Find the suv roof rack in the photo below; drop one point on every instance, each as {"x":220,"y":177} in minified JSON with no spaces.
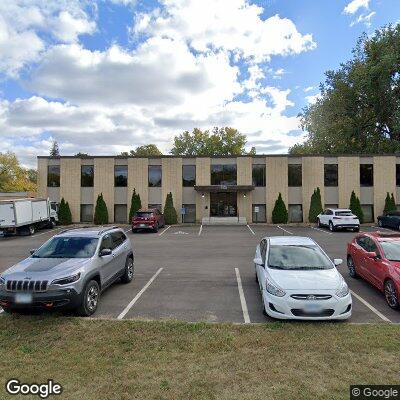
{"x":108,"y":228}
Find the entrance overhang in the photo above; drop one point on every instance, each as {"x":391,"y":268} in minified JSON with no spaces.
{"x":224,"y":188}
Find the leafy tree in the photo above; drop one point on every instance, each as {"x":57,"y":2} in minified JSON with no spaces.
{"x":358,"y":110}
{"x":32,"y":175}
{"x":279,"y":213}
{"x":81,"y":155}
{"x":355,"y":207}
{"x":147,"y":150}
{"x":100,"y":212}
{"x":136,"y":204}
{"x":64,"y":213}
{"x":170,"y":214}
{"x":13,"y":177}
{"x":315,"y":205}
{"x":390,"y":204}
{"x":54,"y":149}
{"x":222,"y":141}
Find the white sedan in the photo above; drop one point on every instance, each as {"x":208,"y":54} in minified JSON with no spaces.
{"x":299,"y":281}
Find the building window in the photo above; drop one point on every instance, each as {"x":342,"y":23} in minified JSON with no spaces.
{"x":188,"y":175}
{"x":223,"y":174}
{"x":155,"y":176}
{"x":53,"y":176}
{"x":258,"y":175}
{"x":259,"y":213}
{"x":157,"y":206}
{"x":190,"y":213}
{"x":331,"y":206}
{"x":295,"y":213}
{"x":86,"y":212}
{"x":120,"y":213}
{"x":294,"y":175}
{"x":121,"y":175}
{"x":366,"y":174}
{"x":368,"y":211}
{"x":331,"y":174}
{"x":397,"y":174}
{"x":87,"y":175}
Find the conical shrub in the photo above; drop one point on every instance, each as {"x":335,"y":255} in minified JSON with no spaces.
{"x":100,"y":212}
{"x":170,"y":214}
{"x":279,"y":213}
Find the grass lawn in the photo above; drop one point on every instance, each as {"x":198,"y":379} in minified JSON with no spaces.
{"x":98,"y":359}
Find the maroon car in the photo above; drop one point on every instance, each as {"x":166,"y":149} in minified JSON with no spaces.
{"x":148,"y":219}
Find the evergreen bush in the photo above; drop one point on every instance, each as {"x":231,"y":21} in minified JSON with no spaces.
{"x":64,"y":213}
{"x":279,"y":213}
{"x":170,"y":214}
{"x":136,"y":204}
{"x":355,"y":207}
{"x":315,"y":206}
{"x":100,"y":212}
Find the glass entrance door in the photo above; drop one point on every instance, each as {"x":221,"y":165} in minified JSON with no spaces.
{"x":223,"y":204}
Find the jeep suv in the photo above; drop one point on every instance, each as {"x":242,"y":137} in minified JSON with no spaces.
{"x":70,"y":270}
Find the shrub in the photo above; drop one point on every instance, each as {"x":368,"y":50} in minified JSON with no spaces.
{"x":279,"y":213}
{"x":315,"y":206}
{"x":170,"y":215}
{"x":355,"y":207}
{"x":64,"y":213}
{"x":136,"y":204}
{"x":100,"y":212}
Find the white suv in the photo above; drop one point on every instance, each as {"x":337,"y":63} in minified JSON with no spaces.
{"x":337,"y":218}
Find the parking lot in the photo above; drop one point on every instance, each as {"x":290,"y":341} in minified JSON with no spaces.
{"x":206,"y":273}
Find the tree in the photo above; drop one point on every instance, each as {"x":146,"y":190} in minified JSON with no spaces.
{"x":393,"y":201}
{"x":54,"y":149}
{"x":390,"y":204}
{"x":279,"y":213}
{"x":13,"y":177}
{"x":64,"y":213}
{"x":358,"y":110}
{"x":82,"y":155}
{"x":170,"y":214}
{"x":355,"y":207}
{"x":222,"y":141}
{"x":136,"y":204}
{"x":315,"y":206}
{"x":100,"y":212}
{"x":147,"y":150}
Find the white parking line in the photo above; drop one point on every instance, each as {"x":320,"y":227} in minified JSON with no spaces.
{"x":201,"y":229}
{"x":372,"y":308}
{"x":165,"y":230}
{"x":128,"y":230}
{"x":251,"y":230}
{"x":321,"y":230}
{"x":136,"y":298}
{"x":246,"y":316}
{"x":283,"y":229}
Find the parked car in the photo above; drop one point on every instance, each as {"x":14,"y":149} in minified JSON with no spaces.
{"x":338,"y":218}
{"x":69,"y":271}
{"x":390,"y":220}
{"x":148,"y":219}
{"x":299,"y":281}
{"x":375,"y":256}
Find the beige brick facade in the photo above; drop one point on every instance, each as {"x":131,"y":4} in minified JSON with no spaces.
{"x":42,"y":177}
{"x":312,"y":177}
{"x":384,"y":181}
{"x":244,"y":177}
{"x":172,"y":182}
{"x":138,"y":170}
{"x":104,"y":183}
{"x":70,"y":185}
{"x":203,"y":177}
{"x":276,"y":182}
{"x":349,"y":179}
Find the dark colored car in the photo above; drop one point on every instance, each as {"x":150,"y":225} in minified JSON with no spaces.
{"x":375,"y":256}
{"x":148,"y":219}
{"x":390,"y":220}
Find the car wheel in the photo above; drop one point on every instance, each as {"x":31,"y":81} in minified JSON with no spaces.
{"x":391,"y":294}
{"x":134,"y":230}
{"x":319,"y":223}
{"x":356,"y":229}
{"x":351,"y":267}
{"x":90,"y":299}
{"x":156,"y":228}
{"x":129,"y":271}
{"x":331,"y":227}
{"x":31,"y":229}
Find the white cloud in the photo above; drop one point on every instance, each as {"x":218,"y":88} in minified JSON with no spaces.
{"x":309,"y":89}
{"x":364,"y":18}
{"x":313,"y":99}
{"x":355,"y":5}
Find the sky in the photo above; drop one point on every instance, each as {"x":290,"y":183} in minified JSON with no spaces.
{"x":105,"y":76}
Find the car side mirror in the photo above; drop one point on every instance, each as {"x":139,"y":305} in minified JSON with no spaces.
{"x":105,"y":252}
{"x":32,"y":251}
{"x":337,"y":261}
{"x":258,"y":261}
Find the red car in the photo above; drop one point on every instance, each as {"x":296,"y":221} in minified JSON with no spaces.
{"x":148,"y":219}
{"x":375,"y":257}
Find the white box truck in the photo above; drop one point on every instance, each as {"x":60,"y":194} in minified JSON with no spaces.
{"x":25,"y":216}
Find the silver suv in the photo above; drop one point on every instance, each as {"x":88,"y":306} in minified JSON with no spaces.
{"x":69,"y":270}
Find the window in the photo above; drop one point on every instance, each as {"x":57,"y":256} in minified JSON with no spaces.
{"x":294,"y":175}
{"x":86,"y":212}
{"x":118,"y":238}
{"x":155,"y":176}
{"x":368,"y":210}
{"x":120,"y":213}
{"x":263,"y":249}
{"x":156,"y":206}
{"x":331,"y":174}
{"x":223,"y":174}
{"x":331,"y":205}
{"x":87,"y":175}
{"x":188,"y":175}
{"x":190,"y":213}
{"x":259,"y":213}
{"x":53,"y":176}
{"x":258,"y":175}
{"x":121,"y":176}
{"x":397,"y":174}
{"x":107,"y":242}
{"x":295,"y":213}
{"x":366,"y":175}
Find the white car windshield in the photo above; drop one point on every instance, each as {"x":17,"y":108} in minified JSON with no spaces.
{"x":67,"y":247}
{"x":292,"y":257}
{"x":391,"y":249}
{"x":344,"y":213}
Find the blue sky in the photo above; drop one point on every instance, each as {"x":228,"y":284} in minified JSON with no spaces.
{"x":103,"y":77}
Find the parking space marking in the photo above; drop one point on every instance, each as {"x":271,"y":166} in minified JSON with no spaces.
{"x":165,"y":230}
{"x":251,"y":230}
{"x":372,"y":308}
{"x":246,"y":316}
{"x":136,"y":298}
{"x":127,"y":230}
{"x":201,"y":229}
{"x":321,"y":230}
{"x":285,"y":230}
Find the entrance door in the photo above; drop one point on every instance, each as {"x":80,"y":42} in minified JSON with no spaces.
{"x":223,"y":204}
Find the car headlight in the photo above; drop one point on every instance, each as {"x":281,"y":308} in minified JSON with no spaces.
{"x":343,"y":290}
{"x":274,"y":289}
{"x":67,"y":280}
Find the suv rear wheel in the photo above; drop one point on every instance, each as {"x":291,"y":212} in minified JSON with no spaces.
{"x":331,"y":226}
{"x":129,"y":270}
{"x":90,"y":299}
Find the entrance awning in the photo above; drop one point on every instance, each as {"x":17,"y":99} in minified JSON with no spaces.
{"x":224,"y":188}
